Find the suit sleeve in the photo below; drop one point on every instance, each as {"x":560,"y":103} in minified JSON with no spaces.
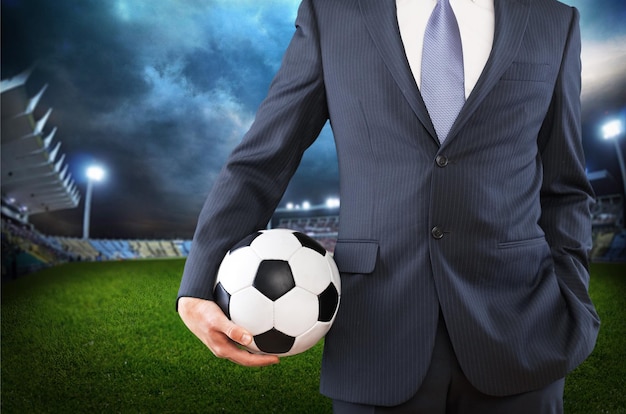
{"x":566,"y":195}
{"x":258,"y":171}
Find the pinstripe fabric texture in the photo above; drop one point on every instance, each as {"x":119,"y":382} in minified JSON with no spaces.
{"x":492,"y":226}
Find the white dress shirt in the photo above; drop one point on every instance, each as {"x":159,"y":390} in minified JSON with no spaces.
{"x":476,"y":21}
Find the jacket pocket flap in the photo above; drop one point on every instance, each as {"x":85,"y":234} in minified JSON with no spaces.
{"x":356,"y":256}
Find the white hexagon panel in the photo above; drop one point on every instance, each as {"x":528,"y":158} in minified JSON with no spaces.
{"x":252,"y":311}
{"x":277,"y":244}
{"x":296,"y":311}
{"x":238,"y":269}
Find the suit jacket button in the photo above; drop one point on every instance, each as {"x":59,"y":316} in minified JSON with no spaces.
{"x":437,"y":232}
{"x":441,"y":161}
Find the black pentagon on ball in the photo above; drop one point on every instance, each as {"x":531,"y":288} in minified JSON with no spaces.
{"x":222,"y":298}
{"x":309,"y":242}
{"x":328,"y":301}
{"x":274,"y":342}
{"x":274,"y":278}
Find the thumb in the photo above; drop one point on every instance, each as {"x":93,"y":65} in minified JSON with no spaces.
{"x":237,"y":333}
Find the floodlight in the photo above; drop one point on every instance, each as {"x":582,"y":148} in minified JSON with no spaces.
{"x":95,"y":173}
{"x":332,"y":202}
{"x":612,"y":129}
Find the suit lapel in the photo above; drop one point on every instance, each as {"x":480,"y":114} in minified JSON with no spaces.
{"x":511,"y":17}
{"x":382,"y":23}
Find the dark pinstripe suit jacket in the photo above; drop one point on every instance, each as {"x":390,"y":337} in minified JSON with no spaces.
{"x":493,"y":226}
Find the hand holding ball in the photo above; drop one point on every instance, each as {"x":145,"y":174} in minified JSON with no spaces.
{"x":283,"y":287}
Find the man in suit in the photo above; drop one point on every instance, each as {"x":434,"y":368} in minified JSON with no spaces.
{"x":462,"y":248}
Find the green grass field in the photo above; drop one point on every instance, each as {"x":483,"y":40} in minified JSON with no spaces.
{"x":104,"y":338}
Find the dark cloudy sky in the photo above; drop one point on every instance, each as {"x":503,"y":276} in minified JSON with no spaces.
{"x":159,"y":92}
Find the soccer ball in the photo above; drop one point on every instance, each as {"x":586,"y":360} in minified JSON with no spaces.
{"x":283,"y":287}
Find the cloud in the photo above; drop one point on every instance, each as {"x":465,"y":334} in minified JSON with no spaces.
{"x":603,"y":63}
{"x":198,"y":83}
{"x":161,"y":92}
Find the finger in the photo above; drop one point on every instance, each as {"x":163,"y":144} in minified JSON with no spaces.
{"x":207,"y":321}
{"x":224,"y":347}
{"x":245,"y":358}
{"x":225,"y":338}
{"x":237,"y":335}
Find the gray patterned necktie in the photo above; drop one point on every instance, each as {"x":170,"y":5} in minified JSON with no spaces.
{"x":442,"y":83}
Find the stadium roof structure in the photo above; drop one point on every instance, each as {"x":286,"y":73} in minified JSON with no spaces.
{"x":35,"y":177}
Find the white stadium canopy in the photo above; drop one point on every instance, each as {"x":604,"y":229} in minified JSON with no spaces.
{"x":35,"y":177}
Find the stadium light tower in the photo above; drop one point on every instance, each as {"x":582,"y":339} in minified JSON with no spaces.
{"x":332,"y":202}
{"x":94,"y":173}
{"x":612,"y":131}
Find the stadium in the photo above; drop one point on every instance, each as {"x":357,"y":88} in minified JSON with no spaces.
{"x":75,"y":348}
{"x":35,"y":179}
{"x":88,"y":324}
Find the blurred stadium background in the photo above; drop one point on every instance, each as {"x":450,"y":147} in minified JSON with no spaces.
{"x":35,"y":180}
